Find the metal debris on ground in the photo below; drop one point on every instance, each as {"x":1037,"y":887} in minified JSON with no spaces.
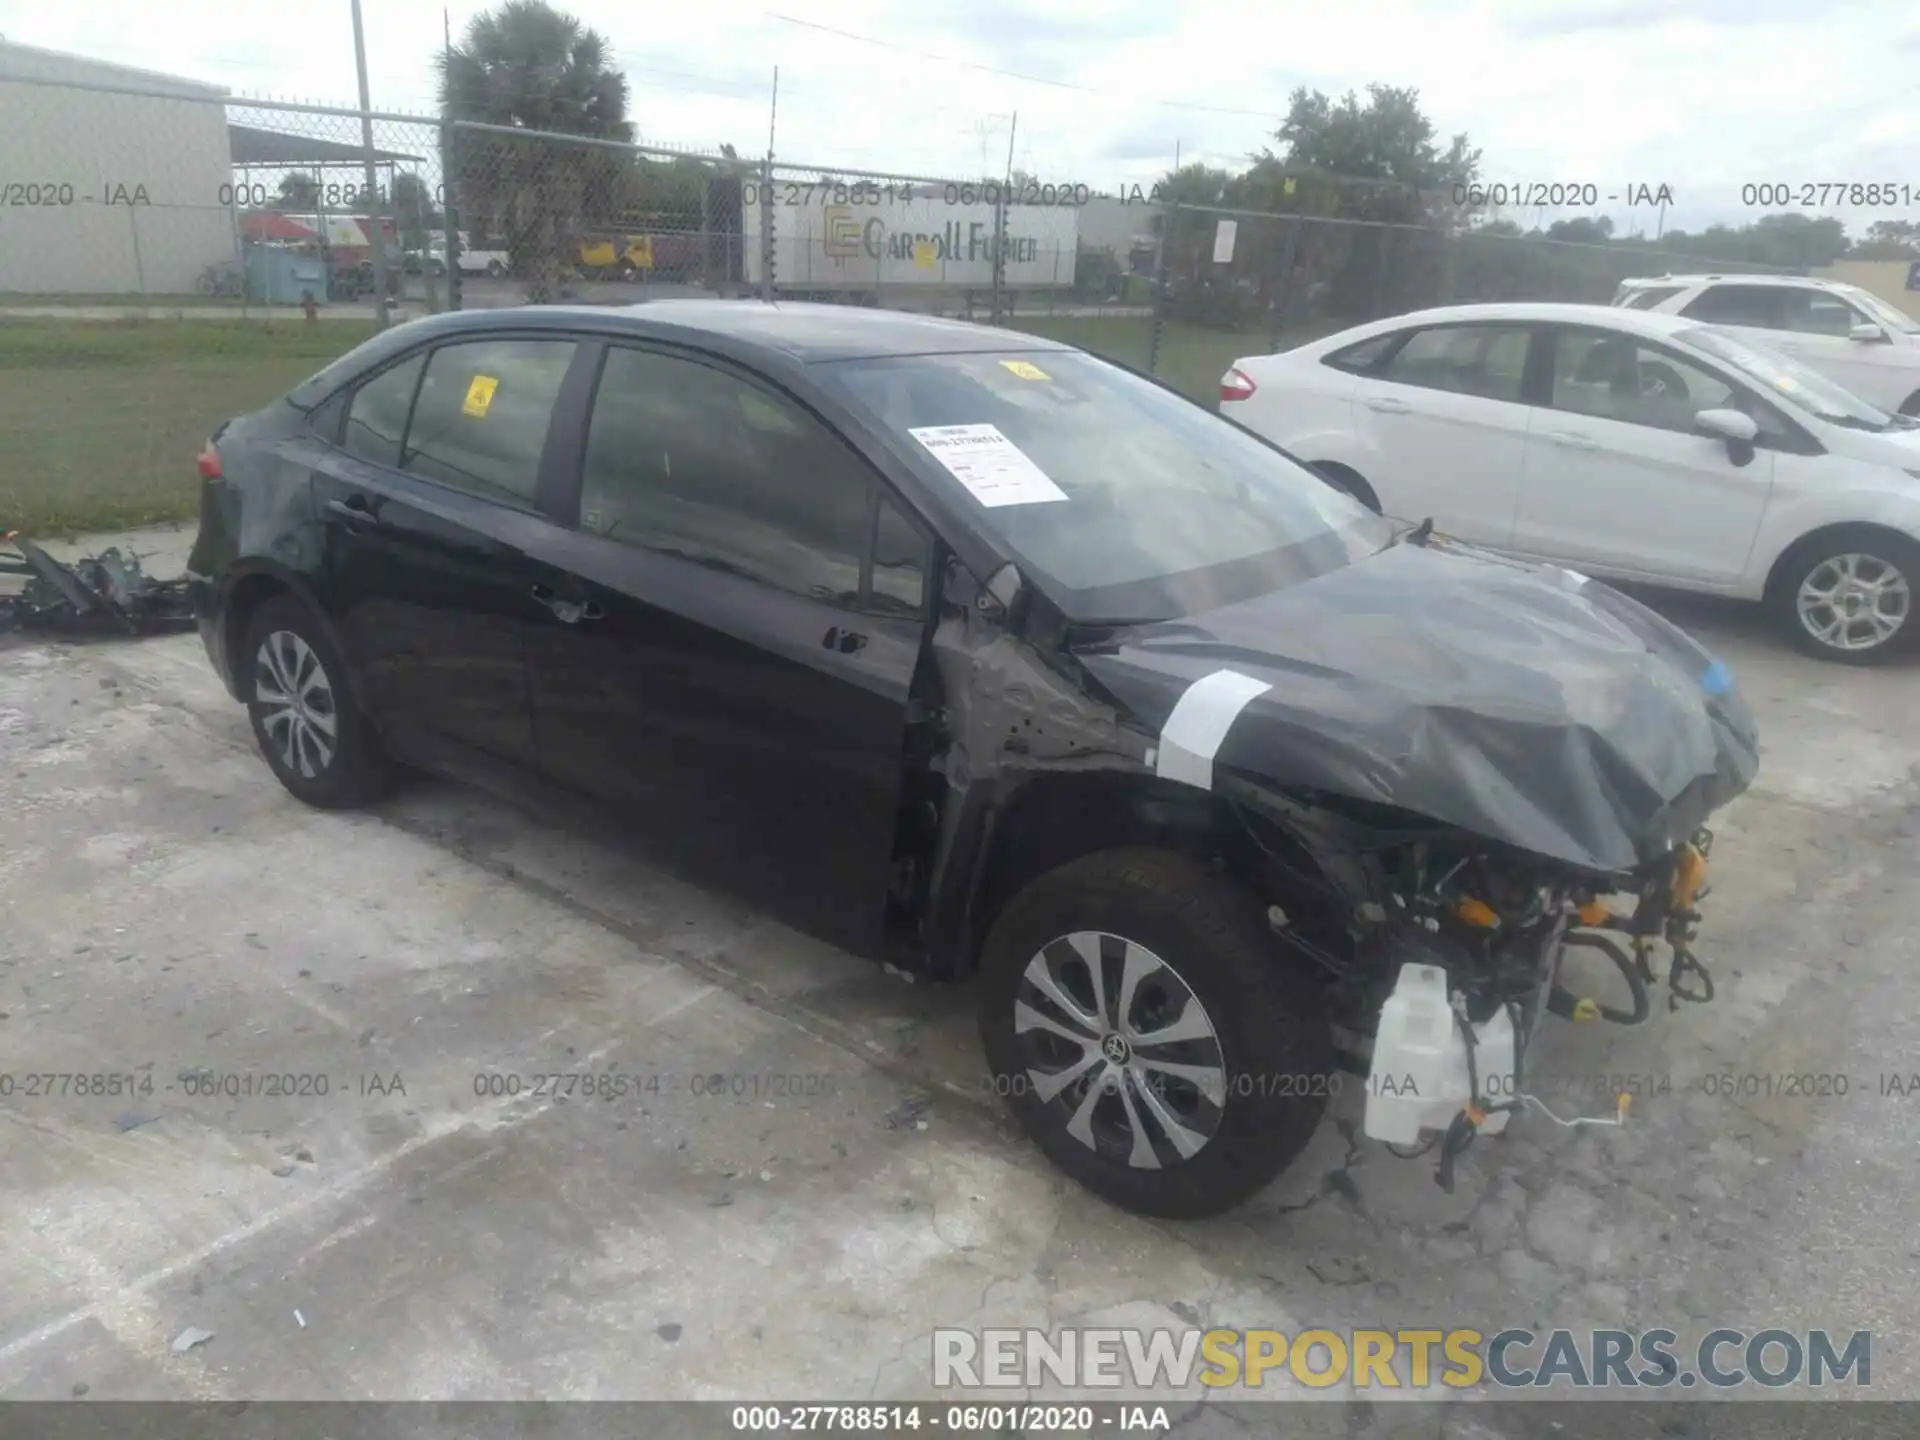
{"x":190,"y":1337}
{"x":101,"y":593}
{"x":908,"y":1114}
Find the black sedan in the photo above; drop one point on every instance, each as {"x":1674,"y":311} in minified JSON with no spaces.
{"x":967,"y":649}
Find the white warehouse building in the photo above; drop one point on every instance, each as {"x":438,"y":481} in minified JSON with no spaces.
{"x":109,"y":193}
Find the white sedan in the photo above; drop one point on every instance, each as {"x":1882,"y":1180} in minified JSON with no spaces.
{"x":1633,"y":445}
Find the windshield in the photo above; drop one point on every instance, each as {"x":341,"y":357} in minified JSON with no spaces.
{"x":1121,"y":499}
{"x":1883,"y":312}
{"x":1792,"y":381}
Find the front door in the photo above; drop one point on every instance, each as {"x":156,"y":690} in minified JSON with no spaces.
{"x":1443,"y":429}
{"x":750,"y":615}
{"x":1619,"y":477}
{"x":434,"y":532}
{"x":1814,"y":325}
{"x":1819,"y":334}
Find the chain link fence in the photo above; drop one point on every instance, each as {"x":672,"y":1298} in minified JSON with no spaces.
{"x":162,"y":206}
{"x":1238,"y":282}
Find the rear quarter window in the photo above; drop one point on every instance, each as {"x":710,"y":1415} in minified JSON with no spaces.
{"x":1366,"y":355}
{"x":1647,"y":297}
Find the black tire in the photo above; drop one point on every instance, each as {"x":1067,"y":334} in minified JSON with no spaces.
{"x":334,"y":772}
{"x":1911,"y":405}
{"x":1807,"y":561}
{"x":1263,"y":1004}
{"x":496,"y":269}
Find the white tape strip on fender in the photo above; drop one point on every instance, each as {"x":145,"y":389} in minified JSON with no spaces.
{"x":1199,"y":722}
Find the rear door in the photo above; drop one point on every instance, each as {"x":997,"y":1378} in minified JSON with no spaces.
{"x":435,"y":523}
{"x":1617,"y":475}
{"x":1442,"y":428}
{"x":752,"y":608}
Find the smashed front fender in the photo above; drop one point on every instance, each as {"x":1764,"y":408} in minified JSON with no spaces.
{"x":1521,"y":703}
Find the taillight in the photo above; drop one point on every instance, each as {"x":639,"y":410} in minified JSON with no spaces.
{"x":209,"y":463}
{"x":1236,"y":384}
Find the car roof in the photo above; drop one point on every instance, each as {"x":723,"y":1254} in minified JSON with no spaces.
{"x":1640,"y":282}
{"x":796,"y":331}
{"x":1645,"y":322}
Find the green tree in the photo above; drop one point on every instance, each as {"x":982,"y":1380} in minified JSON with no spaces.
{"x":1375,"y":159}
{"x":528,"y":66}
{"x":413,"y":212}
{"x":1888,"y":240}
{"x":1196,"y":185}
{"x":1582,"y":230}
{"x":299,"y":192}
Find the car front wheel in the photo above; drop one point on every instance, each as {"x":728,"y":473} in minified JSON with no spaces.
{"x":1849,"y":596}
{"x":303,"y":712}
{"x":1151,"y":1034}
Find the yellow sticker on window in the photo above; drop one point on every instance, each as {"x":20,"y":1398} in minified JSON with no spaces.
{"x":1025,"y":370}
{"x":479,"y":396}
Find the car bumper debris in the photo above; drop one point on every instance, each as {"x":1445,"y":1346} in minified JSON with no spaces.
{"x":101,"y":594}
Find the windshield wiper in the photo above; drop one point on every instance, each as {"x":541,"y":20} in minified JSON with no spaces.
{"x":1418,"y":535}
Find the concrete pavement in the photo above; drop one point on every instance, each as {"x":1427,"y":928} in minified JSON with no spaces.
{"x":802,"y":1174}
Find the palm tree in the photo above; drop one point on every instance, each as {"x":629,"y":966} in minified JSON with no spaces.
{"x":528,"y":66}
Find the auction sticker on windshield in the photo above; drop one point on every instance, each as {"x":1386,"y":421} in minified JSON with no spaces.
{"x":995,"y":471}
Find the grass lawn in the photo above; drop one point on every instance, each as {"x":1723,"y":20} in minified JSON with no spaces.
{"x":1192,"y":357}
{"x":100,"y":420}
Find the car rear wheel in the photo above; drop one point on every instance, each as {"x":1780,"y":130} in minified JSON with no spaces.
{"x":1151,"y":1035}
{"x":1849,"y":596}
{"x":304,"y":716}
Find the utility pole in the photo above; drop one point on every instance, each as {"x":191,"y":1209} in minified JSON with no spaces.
{"x":1001,"y":217}
{"x":773,"y":110}
{"x":372,"y":188}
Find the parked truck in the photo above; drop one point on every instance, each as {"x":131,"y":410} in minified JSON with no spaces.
{"x":868,"y":239}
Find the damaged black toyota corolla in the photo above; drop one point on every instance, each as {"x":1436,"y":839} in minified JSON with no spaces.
{"x":972,"y":651}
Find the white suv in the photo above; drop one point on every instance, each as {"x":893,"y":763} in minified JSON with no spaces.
{"x":1848,"y":334}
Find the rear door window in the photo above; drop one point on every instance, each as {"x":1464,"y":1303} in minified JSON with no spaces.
{"x":1485,"y":360}
{"x":480,"y":422}
{"x":1757,"y":306}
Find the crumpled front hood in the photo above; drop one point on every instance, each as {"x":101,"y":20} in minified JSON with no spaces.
{"x":1523,"y":703}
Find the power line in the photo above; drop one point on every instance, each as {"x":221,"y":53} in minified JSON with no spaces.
{"x":1017,"y":75}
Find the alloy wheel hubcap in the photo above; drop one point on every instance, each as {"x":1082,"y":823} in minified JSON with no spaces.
{"x":297,"y":712}
{"x":1116,"y":1043}
{"x":1854,"y":602}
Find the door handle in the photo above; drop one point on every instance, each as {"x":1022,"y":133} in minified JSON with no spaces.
{"x":355,"y":510}
{"x":845,"y":641}
{"x":1386,"y":405}
{"x":570,"y":612}
{"x":1567,"y":440}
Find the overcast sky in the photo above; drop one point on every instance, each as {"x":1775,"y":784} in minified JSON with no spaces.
{"x":1702,"y":95}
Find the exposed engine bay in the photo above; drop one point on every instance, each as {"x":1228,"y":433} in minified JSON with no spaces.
{"x":1443,"y":956}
